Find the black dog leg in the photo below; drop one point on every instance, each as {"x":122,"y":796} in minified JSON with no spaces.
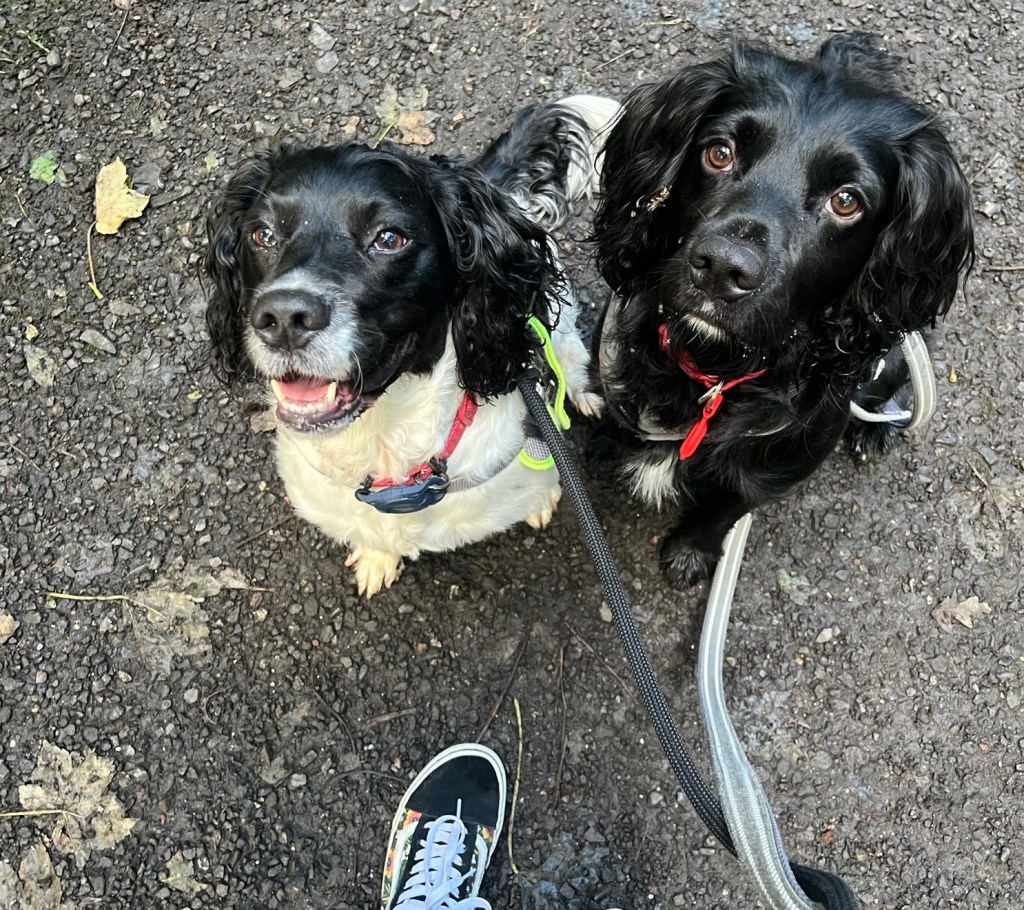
{"x":691,"y":550}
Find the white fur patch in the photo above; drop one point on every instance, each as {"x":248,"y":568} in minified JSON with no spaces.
{"x":655,"y":483}
{"x":407,"y":425}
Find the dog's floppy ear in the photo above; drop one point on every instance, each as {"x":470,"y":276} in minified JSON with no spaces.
{"x":860,"y":56}
{"x":507,"y":273}
{"x":928,"y":245}
{"x":642,"y":159}
{"x":224,"y":237}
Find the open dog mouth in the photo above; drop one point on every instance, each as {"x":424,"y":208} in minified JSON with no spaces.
{"x":314,"y":404}
{"x":307,"y":403}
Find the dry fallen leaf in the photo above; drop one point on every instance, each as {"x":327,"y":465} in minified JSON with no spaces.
{"x":413,"y":129}
{"x":116,"y":201}
{"x":41,"y":366}
{"x":36,"y":886}
{"x":964,"y":612}
{"x":89,"y":818}
{"x":181,"y":875}
{"x":407,"y":114}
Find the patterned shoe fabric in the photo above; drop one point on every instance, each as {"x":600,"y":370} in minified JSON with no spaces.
{"x":445,"y":832}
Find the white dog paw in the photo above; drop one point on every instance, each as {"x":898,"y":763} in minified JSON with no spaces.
{"x":542,"y":518}
{"x":374,"y":569}
{"x":589,"y":404}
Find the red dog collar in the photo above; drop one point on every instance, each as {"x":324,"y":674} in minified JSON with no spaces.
{"x":426,"y":484}
{"x":711,"y":399}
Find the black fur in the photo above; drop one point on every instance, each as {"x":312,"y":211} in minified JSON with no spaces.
{"x":725,"y":216}
{"x":474,"y":262}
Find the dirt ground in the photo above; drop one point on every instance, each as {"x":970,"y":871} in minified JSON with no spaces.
{"x":219,"y":721}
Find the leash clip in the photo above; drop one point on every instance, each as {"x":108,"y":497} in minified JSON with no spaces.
{"x":711,"y":394}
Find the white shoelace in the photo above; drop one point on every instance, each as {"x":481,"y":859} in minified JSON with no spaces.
{"x":433,"y":882}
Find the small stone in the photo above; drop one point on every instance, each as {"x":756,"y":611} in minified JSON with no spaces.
{"x":291,"y":77}
{"x":605,"y":612}
{"x":322,"y":39}
{"x":8,"y":626}
{"x":296,"y":781}
{"x":95,"y":340}
{"x":326,"y":63}
{"x":53,"y":58}
{"x":191,"y":696}
{"x":264,"y":129}
{"x":825,"y":635}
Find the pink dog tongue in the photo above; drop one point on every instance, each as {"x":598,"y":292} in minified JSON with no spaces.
{"x":303,"y":389}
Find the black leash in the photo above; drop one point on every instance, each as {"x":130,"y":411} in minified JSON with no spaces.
{"x":823,"y":887}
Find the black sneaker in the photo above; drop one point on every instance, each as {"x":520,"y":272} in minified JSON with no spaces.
{"x":445,"y":831}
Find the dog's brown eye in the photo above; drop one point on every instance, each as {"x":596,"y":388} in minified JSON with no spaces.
{"x":389,"y":241}
{"x":264,"y":237}
{"x":845,"y":204}
{"x":719,"y":156}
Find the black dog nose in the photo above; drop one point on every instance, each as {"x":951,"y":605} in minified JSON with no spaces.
{"x":727,"y":270}
{"x":289,"y":319}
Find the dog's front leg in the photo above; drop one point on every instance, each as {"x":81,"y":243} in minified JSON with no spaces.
{"x":374,"y":569}
{"x":691,"y":550}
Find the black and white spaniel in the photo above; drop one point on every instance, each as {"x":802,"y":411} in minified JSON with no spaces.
{"x":384,"y":299}
{"x":771,"y":228}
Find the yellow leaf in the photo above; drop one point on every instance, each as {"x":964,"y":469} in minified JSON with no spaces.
{"x":116,"y":201}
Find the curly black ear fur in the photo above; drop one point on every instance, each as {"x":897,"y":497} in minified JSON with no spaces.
{"x":860,"y":56}
{"x":507,"y":272}
{"x":224,"y":235}
{"x":921,"y":255}
{"x":642,"y":159}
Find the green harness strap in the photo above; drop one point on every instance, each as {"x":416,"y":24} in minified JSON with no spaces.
{"x":535,"y":454}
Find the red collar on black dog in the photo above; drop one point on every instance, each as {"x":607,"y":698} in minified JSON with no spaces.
{"x":711,"y":399}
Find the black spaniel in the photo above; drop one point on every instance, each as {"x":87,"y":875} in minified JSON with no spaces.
{"x":384,"y":299}
{"x":771,"y":228}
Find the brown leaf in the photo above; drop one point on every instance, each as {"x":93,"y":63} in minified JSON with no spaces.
{"x":116,"y":201}
{"x":413,"y":129}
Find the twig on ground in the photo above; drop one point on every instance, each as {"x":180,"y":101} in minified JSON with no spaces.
{"x":29,"y":813}
{"x":515,"y":787}
{"x":977,"y":474}
{"x":32,"y":39}
{"x":387,"y":129}
{"x":95,"y":288}
{"x":1003,"y":268}
{"x":390,"y":716}
{"x":511,"y":679}
{"x":613,"y":59}
{"x":590,"y":648}
{"x":117,"y":37}
{"x":266,"y":530}
{"x":22,"y":453}
{"x":105,"y":598}
{"x":344,"y":724}
{"x":21,"y":206}
{"x":562,"y":737}
{"x":372,"y":773}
